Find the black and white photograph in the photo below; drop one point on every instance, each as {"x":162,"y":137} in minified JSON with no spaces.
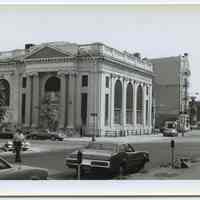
{"x":99,"y":92}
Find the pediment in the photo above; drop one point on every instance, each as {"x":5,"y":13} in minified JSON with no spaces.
{"x":46,"y":52}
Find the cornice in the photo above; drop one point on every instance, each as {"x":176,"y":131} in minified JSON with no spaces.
{"x":130,"y":66}
{"x":49,"y":60}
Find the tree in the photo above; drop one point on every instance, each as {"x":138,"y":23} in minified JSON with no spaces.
{"x":48,"y":113}
{"x":2,"y":102}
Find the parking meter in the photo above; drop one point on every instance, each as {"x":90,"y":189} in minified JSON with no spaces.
{"x":172,"y":143}
{"x":79,"y":156}
{"x":172,"y":152}
{"x":79,"y":159}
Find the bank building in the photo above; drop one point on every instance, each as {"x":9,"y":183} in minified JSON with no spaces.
{"x":93,"y":87}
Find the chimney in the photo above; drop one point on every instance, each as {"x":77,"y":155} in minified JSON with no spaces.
{"x":28,"y":46}
{"x":145,"y":59}
{"x":137,"y":55}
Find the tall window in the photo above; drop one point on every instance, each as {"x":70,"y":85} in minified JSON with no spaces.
{"x":107,"y":82}
{"x":5,"y":92}
{"x":129,"y":104}
{"x":139,"y":105}
{"x":24,"y":82}
{"x":84,"y":80}
{"x":118,"y":102}
{"x":84,"y":108}
{"x":147,"y":90}
{"x":23,"y":108}
{"x":147,"y":112}
{"x":106,"y":108}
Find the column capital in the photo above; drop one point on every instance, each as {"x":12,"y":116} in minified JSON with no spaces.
{"x":130,"y":80}
{"x":32,"y":74}
{"x":73,"y":73}
{"x":61,"y":73}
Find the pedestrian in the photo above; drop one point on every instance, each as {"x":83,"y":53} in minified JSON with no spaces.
{"x":17,"y":144}
{"x":81,"y":131}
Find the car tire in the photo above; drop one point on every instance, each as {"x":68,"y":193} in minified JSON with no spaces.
{"x":122,"y":169}
{"x":53,"y":138}
{"x":142,"y":164}
{"x":34,"y":178}
{"x":34,"y":137}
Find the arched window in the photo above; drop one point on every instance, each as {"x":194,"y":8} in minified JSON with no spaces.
{"x":139,"y":105}
{"x":129,"y":104}
{"x":4,"y":92}
{"x":147,"y":112}
{"x":52,"y":85}
{"x":52,"y":88}
{"x":118,"y":102}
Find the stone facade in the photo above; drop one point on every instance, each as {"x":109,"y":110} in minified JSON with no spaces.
{"x":93,"y":86}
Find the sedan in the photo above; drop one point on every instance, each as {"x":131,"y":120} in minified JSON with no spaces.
{"x":43,"y":135}
{"x":6,"y":135}
{"x":109,"y":156}
{"x":21,"y":172}
{"x":170,"y":132}
{"x":8,"y":146}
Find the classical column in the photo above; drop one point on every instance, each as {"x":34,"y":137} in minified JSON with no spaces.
{"x":35,"y":99}
{"x":112,"y":87}
{"x":71,"y":100}
{"x":135,"y":104}
{"x":77,"y":109}
{"x":150,"y":106}
{"x":28,"y":101}
{"x":123,"y":104}
{"x":144,"y":105}
{"x":62,"y":109}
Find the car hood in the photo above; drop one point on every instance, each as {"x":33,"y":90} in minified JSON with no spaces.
{"x":26,"y":167}
{"x":94,"y":154}
{"x":170,"y":130}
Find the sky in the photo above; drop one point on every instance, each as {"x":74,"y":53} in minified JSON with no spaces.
{"x":153,"y":30}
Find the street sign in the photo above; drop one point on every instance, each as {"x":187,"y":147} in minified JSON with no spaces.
{"x":93,"y":114}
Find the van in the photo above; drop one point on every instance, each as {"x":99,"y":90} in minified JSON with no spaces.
{"x":170,"y":129}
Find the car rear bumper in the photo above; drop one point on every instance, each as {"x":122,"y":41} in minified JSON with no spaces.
{"x":92,"y":164}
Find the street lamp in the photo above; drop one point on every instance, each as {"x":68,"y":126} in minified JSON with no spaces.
{"x":94,"y":114}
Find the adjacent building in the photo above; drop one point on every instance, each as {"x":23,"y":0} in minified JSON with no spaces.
{"x":93,"y":86}
{"x":171,"y":89}
{"x":194,"y":112}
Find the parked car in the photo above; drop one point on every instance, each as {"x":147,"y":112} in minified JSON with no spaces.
{"x":6,"y":135}
{"x":44,"y":135}
{"x":21,"y":172}
{"x":8,"y":146}
{"x":170,"y":129}
{"x":113,"y":157}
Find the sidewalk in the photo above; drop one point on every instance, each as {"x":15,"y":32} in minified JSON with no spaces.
{"x":192,"y":136}
{"x":167,"y":173}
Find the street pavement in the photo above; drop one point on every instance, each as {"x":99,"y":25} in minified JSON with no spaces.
{"x":51,"y":154}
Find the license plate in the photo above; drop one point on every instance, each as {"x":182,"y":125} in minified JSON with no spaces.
{"x":86,"y":162}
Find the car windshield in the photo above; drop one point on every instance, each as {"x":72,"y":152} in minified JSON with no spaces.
{"x":102,"y":146}
{"x":171,"y":125}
